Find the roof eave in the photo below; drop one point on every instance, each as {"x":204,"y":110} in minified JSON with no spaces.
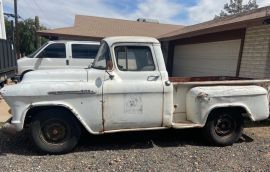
{"x":69,"y":36}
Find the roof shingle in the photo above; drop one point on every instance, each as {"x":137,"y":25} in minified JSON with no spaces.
{"x":98,"y":28}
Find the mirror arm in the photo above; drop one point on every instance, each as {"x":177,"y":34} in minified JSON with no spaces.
{"x":110,"y":75}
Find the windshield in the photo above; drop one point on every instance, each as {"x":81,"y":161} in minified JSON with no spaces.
{"x":32,"y":55}
{"x":103,"y":56}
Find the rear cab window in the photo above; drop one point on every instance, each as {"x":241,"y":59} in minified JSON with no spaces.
{"x":55,"y":50}
{"x":84,"y":51}
{"x":134,"y":58}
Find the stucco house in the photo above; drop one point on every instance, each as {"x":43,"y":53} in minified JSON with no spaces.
{"x":237,"y":45}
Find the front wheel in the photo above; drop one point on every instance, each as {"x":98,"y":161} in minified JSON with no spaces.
{"x":224,"y":127}
{"x":55,"y":131}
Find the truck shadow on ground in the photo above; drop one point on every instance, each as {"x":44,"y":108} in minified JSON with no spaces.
{"x":21,"y":144}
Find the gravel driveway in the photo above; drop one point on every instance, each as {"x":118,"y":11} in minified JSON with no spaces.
{"x":166,"y":150}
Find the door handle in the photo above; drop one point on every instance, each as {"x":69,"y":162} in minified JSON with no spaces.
{"x":67,"y":62}
{"x":152,"y":78}
{"x":167,"y":83}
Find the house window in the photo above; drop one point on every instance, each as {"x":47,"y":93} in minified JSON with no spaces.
{"x":57,"y":50}
{"x":84,"y":51}
{"x":134,"y":58}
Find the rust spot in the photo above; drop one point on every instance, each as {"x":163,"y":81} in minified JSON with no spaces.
{"x":102,"y":112}
{"x":205,"y":78}
{"x":203,"y":96}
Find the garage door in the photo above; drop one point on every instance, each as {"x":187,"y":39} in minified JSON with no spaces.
{"x":207,"y":59}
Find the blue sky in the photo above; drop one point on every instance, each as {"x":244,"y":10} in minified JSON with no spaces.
{"x":60,"y":13}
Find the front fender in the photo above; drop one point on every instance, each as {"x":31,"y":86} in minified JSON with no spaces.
{"x":19,"y":120}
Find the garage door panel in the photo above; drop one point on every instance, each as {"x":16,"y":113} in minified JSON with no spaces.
{"x":207,"y":59}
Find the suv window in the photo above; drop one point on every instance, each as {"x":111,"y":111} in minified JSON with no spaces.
{"x":84,"y":51}
{"x":134,"y":58}
{"x":57,"y":50}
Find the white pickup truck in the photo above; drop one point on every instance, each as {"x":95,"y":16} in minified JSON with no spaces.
{"x":128,"y":89}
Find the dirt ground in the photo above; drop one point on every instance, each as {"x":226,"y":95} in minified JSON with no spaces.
{"x":4,"y":108}
{"x":165,"y":150}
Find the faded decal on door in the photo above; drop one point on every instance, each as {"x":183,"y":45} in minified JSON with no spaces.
{"x":133,"y":104}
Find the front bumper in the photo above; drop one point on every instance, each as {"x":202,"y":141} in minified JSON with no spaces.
{"x":9,"y":128}
{"x":16,"y":78}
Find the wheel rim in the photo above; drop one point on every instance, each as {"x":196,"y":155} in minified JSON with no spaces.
{"x":225,"y":125}
{"x":54,"y":131}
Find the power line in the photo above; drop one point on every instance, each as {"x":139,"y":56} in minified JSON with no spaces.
{"x":41,"y":10}
{"x":32,"y":6}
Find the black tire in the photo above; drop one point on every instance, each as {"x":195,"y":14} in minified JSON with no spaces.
{"x":2,"y":84}
{"x":55,"y":131}
{"x":224,"y":127}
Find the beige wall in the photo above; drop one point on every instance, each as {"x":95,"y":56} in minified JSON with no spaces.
{"x":256,"y":53}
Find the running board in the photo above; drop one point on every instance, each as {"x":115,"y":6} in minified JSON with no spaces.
{"x":186,"y":124}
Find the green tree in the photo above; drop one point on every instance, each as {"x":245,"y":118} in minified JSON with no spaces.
{"x":29,"y":40}
{"x":237,"y":6}
{"x":9,"y":29}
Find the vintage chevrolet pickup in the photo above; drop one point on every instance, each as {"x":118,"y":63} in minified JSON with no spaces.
{"x":127,"y":88}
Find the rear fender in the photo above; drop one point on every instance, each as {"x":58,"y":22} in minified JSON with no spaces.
{"x":253,"y":113}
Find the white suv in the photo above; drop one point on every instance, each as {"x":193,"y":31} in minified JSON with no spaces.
{"x":59,"y":54}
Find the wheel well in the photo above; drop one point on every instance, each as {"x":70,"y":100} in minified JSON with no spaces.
{"x":238,"y":109}
{"x":24,"y":72}
{"x":35,"y":110}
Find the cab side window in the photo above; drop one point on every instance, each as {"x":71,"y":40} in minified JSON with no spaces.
{"x":57,"y":50}
{"x":134,"y":58}
{"x":84,"y":51}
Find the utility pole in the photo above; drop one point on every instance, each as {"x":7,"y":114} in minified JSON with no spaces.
{"x":2,"y":22}
{"x":37,"y":26}
{"x":17,"y":39}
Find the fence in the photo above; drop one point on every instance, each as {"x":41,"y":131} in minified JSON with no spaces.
{"x":8,"y":60}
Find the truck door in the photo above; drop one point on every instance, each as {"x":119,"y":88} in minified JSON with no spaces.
{"x":134,"y":97}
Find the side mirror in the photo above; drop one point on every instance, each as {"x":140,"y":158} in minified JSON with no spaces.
{"x":109,"y":66}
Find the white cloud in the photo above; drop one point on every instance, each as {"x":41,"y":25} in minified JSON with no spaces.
{"x":205,"y":10}
{"x":60,"y":13}
{"x":262,"y":3}
{"x":163,"y":10}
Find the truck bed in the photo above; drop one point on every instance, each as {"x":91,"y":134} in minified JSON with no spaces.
{"x":213,"y":80}
{"x":183,"y":84}
{"x":206,"y":78}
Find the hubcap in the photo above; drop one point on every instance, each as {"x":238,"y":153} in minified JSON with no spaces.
{"x":224,"y":125}
{"x":54,"y":131}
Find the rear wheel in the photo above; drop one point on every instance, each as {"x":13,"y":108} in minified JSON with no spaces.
{"x":224,"y":127}
{"x":55,"y":131}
